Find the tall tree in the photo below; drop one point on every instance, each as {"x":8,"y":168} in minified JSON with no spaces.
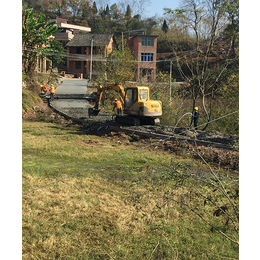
{"x":58,"y":7}
{"x":36,"y":32}
{"x":85,"y":9}
{"x":165,"y":27}
{"x":128,"y":13}
{"x":94,"y":8}
{"x":107,"y":11}
{"x":116,"y":14}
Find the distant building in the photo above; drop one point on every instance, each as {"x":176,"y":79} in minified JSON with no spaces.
{"x":144,"y":48}
{"x":67,"y":30}
{"x":79,"y":59}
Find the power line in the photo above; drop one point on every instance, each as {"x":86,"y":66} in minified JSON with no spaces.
{"x":116,"y":158}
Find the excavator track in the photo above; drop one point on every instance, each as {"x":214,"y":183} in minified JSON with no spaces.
{"x":137,"y":121}
{"x":128,"y":120}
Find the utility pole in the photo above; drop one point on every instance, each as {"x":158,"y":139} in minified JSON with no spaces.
{"x":171,"y":81}
{"x":91,"y":52}
{"x":122,"y":41}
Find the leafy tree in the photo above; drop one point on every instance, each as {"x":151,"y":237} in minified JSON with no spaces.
{"x":120,"y":66}
{"x":56,"y":50}
{"x":135,"y":23}
{"x":55,"y":8}
{"x":84,"y":8}
{"x":96,"y":24}
{"x":165,"y":27}
{"x":35,"y":38}
{"x":115,"y":11}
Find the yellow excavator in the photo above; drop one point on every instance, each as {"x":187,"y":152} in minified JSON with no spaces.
{"x":137,"y":106}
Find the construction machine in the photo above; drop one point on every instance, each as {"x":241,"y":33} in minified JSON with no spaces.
{"x":137,"y":106}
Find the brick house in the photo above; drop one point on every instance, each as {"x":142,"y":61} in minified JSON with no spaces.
{"x":79,"y":59}
{"x":144,"y":48}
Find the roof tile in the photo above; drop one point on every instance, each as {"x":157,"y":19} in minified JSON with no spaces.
{"x":84,"y":40}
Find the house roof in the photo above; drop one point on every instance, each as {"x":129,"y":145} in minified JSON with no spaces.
{"x":84,"y":40}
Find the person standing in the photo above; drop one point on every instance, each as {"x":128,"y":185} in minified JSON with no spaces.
{"x":52,"y":90}
{"x":118,"y":106}
{"x":195,"y":117}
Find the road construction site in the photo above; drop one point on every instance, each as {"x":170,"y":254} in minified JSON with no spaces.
{"x":71,"y":102}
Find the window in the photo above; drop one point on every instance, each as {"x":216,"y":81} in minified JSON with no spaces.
{"x":147,"y":41}
{"x":78,"y":50}
{"x":146,"y":56}
{"x":143,"y":93}
{"x":131,"y":97}
{"x":78,"y":65}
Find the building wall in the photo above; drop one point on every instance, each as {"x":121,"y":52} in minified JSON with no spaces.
{"x":98,"y":52}
{"x":144,"y":69}
{"x":75,"y":65}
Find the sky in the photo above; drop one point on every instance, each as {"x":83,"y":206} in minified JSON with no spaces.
{"x":157,"y":6}
{"x":154,"y":8}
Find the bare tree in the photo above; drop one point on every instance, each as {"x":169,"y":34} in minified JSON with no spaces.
{"x":195,"y":12}
{"x":194,"y":66}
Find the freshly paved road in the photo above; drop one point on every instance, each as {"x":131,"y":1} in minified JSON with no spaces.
{"x":72,"y":86}
{"x":73,"y":107}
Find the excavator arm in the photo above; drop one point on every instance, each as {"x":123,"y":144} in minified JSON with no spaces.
{"x":107,"y":87}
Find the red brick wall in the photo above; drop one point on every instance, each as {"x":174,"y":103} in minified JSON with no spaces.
{"x":135,"y":44}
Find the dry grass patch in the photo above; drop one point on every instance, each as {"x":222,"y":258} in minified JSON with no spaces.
{"x":57,"y":217}
{"x":121,"y":209}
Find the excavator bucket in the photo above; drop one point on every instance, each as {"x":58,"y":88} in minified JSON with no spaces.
{"x":93,"y":112}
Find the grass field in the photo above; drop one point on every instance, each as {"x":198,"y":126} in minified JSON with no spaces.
{"x":123,"y":201}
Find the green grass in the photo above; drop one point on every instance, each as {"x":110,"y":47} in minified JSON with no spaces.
{"x":119,"y":209}
{"x":29,"y":99}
